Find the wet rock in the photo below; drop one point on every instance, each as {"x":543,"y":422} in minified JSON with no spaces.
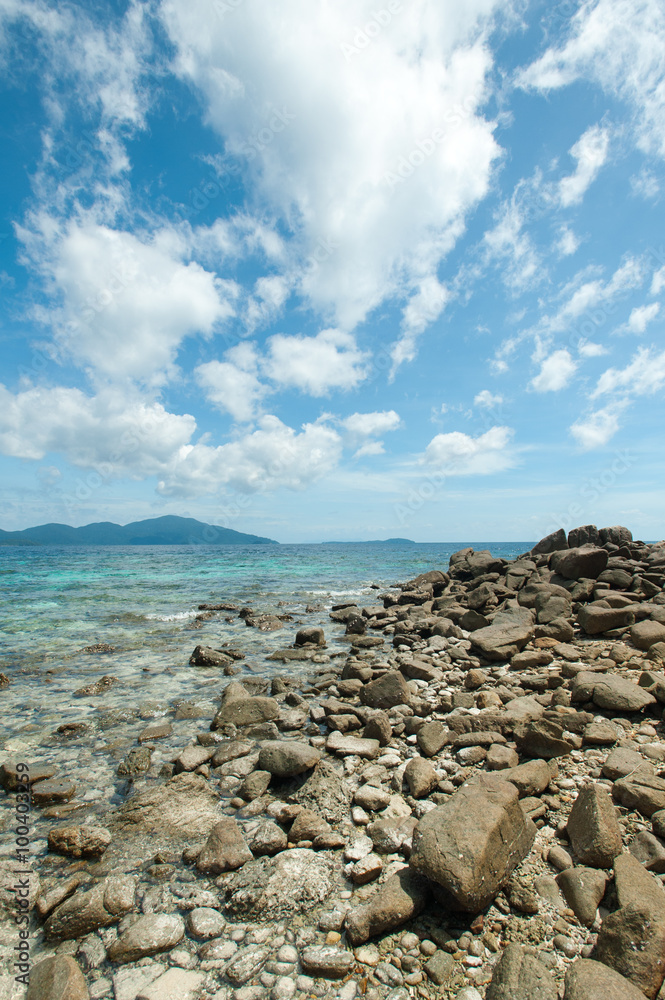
{"x":271,"y":888}
{"x":14,"y":774}
{"x":86,"y":911}
{"x":150,"y":934}
{"x":400,"y":898}
{"x":587,"y":979}
{"x":470,"y":845}
{"x":640,"y":791}
{"x":586,"y":562}
{"x":181,"y":983}
{"x":326,"y":961}
{"x":326,"y":792}
{"x":57,"y":978}
{"x":286,"y":758}
{"x":520,"y":976}
{"x":312,"y":635}
{"x":593,"y":827}
{"x":53,"y":790}
{"x":268,"y":839}
{"x":205,"y":923}
{"x":99,"y":687}
{"x":246,"y":964}
{"x":421,"y":777}
{"x":225,"y":850}
{"x":255,"y":785}
{"x":79,"y":841}
{"x":184,"y":806}
{"x":192,"y":758}
{"x":51,"y":895}
{"x":347,"y":745}
{"x":583,"y":889}
{"x":206,"y":656}
{"x":136,"y":762}
{"x":246,"y":711}
{"x":632,"y":942}
{"x":386,"y":691}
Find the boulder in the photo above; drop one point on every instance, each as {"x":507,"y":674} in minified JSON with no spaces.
{"x":225,"y":850}
{"x":286,"y":758}
{"x":386,"y":691}
{"x":246,"y":711}
{"x":520,"y":976}
{"x":593,"y":827}
{"x":57,"y":978}
{"x":79,"y":841}
{"x":588,"y":562}
{"x":590,"y":980}
{"x":587,"y":534}
{"x":634,"y":885}
{"x":632,"y":942}
{"x":432,"y":737}
{"x":596,"y":619}
{"x":641,"y":791}
{"x":267,"y":889}
{"x":400,"y":898}
{"x":206,"y":656}
{"x":623,"y":761}
{"x":541,"y":738}
{"x":347,"y":745}
{"x":150,"y":934}
{"x":186,"y":806}
{"x":646,"y":634}
{"x":551,"y":543}
{"x":583,"y":889}
{"x":616,"y":535}
{"x":530,"y":778}
{"x":326,"y":792}
{"x":421,"y":777}
{"x":469,"y":846}
{"x":311,"y":635}
{"x":87,"y":910}
{"x":506,"y":636}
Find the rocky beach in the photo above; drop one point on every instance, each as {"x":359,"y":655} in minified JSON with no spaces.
{"x":455,"y":789}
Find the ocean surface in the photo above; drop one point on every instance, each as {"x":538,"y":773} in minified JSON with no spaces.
{"x":143,"y":601}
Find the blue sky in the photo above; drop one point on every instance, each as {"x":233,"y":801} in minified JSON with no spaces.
{"x":334,"y":271}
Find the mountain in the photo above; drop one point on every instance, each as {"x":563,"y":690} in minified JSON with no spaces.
{"x":168,"y":530}
{"x":378,"y":541}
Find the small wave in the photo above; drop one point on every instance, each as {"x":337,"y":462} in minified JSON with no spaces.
{"x":338,"y":593}
{"x":177,"y":617}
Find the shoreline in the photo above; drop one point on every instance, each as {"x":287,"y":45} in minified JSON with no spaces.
{"x":300,"y":841}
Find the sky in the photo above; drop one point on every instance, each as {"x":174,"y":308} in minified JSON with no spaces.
{"x":333,"y":269}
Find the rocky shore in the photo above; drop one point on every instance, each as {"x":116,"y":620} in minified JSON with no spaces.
{"x":468,"y":802}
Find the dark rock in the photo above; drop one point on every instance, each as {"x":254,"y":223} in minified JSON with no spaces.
{"x":313,"y":635}
{"x":399,"y":899}
{"x":640,"y":791}
{"x":57,"y":978}
{"x":587,"y":534}
{"x":506,"y":636}
{"x":623,"y":761}
{"x":79,"y":841}
{"x":206,"y":656}
{"x":379,"y":728}
{"x":583,"y":889}
{"x":632,"y":942}
{"x":520,"y":976}
{"x":286,"y":758}
{"x":530,"y":778}
{"x":551,"y":543}
{"x":541,"y":738}
{"x":421,"y":777}
{"x":386,"y":691}
{"x":86,"y":911}
{"x":593,"y":827}
{"x":225,"y":850}
{"x":580,"y":562}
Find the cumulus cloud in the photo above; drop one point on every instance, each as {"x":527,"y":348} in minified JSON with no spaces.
{"x":641,"y":317}
{"x":127,"y":304}
{"x":316,"y":365}
{"x":370,"y":424}
{"x":555,"y":372}
{"x":618,"y":44}
{"x":265,"y":304}
{"x":488,"y":400}
{"x":424,"y":306}
{"x":642,"y":377}
{"x":231,"y":389}
{"x":568,"y":243}
{"x":373,"y":176}
{"x":459,"y":454}
{"x":599,"y":427}
{"x":590,"y":151}
{"x":589,"y":349}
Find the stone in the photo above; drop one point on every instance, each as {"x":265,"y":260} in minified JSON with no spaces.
{"x":88,"y":910}
{"x":593,"y":827}
{"x":620,"y":695}
{"x":13,"y":774}
{"x":79,"y":841}
{"x":507,"y":635}
{"x":599,"y":734}
{"x":246,"y":964}
{"x":440,"y":967}
{"x":646,"y":634}
{"x":520,"y":976}
{"x":658,"y":823}
{"x":588,"y":562}
{"x":268,"y":839}
{"x":225,"y":850}
{"x":421,"y":777}
{"x":386,"y":691}
{"x":379,"y":728}
{"x":325,"y":791}
{"x":136,"y":762}
{"x":587,"y":979}
{"x":583,"y":889}
{"x":255,"y":785}
{"x":470,"y":845}
{"x":246,"y":711}
{"x":432,"y":737}
{"x":53,"y":790}
{"x":392,"y":833}
{"x":347,"y":745}
{"x":596,"y":619}
{"x":372,"y":798}
{"x":632,"y":942}
{"x":312,"y":635}
{"x":530,"y":778}
{"x":204,"y":923}
{"x":551,"y":543}
{"x":150,"y":934}
{"x":181,"y":983}
{"x":206,"y":656}
{"x":157,"y":731}
{"x":541,"y":738}
{"x":397,"y":900}
{"x":634,"y":885}
{"x":193,"y":757}
{"x":366,"y":869}
{"x":186,"y":806}
{"x":499,"y":758}
{"x":272,"y":888}
{"x":622,"y":761}
{"x":649,"y":851}
{"x":641,"y":791}
{"x":326,"y":961}
{"x":57,"y":978}
{"x":286,"y":758}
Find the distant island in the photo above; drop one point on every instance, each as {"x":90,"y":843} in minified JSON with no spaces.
{"x":378,"y":541}
{"x":168,"y":530}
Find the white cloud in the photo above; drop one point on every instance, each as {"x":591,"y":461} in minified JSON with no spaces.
{"x":641,"y":316}
{"x":588,"y":349}
{"x":619,"y":44}
{"x":459,"y":454}
{"x":645,"y":185}
{"x":424,"y":306}
{"x":590,"y":151}
{"x":598,"y":428}
{"x":269,"y":296}
{"x":231,"y":389}
{"x":658,"y":282}
{"x":373,"y":176}
{"x":487,"y":400}
{"x":568,"y":243}
{"x":507,"y":242}
{"x":369,"y":424}
{"x":127,"y":305}
{"x":315,"y":365}
{"x":370,"y":448}
{"x":555,"y":372}
{"x":642,"y":377}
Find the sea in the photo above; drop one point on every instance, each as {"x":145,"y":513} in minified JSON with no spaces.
{"x":142,"y":601}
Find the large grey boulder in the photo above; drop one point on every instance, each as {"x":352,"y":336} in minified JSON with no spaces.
{"x":596,"y":618}
{"x":520,"y":976}
{"x":400,"y":898}
{"x":469,"y":846}
{"x":641,"y":791}
{"x":507,"y":635}
{"x":286,"y":758}
{"x":590,"y":980}
{"x":551,"y":543}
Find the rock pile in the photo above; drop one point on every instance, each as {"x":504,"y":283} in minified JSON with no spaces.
{"x":471,"y":805}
